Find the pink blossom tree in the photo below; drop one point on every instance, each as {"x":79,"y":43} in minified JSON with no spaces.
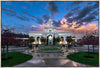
{"x":89,"y":39}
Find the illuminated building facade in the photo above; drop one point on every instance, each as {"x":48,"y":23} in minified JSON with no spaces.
{"x":49,"y":33}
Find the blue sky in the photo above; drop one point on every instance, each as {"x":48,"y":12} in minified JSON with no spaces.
{"x":22,"y":15}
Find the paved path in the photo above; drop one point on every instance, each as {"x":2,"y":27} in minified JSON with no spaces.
{"x":50,"y":60}
{"x":51,"y":63}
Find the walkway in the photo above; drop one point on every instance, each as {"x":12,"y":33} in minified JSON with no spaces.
{"x":50,"y":60}
{"x":51,"y":63}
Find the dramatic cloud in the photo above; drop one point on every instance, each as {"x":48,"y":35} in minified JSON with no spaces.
{"x":34,"y":18}
{"x":63,"y":25}
{"x":23,"y":18}
{"x":53,"y":8}
{"x":88,"y":19}
{"x":45,"y":17}
{"x":25,"y":12}
{"x":38,"y":20}
{"x":85,"y":11}
{"x":56,"y":23}
{"x":75,"y":16}
{"x":39,"y":28}
{"x":68,"y":15}
{"x":12,"y":12}
{"x":87,"y":14}
{"x":80,"y":30}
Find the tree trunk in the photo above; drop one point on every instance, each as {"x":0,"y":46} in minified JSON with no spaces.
{"x":6,"y":51}
{"x":88,"y":50}
{"x":93,"y":48}
{"x":3,"y":49}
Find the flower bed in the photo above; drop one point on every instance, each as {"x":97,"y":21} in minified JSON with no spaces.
{"x":50,"y":48}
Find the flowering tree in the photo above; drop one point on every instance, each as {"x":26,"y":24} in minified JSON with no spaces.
{"x":94,"y":40}
{"x":89,"y":39}
{"x":7,"y":39}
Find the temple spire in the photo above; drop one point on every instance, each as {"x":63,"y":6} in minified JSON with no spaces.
{"x":50,"y":20}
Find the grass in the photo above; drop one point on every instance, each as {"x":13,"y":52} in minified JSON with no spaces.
{"x":17,"y":58}
{"x":50,"y":48}
{"x":79,"y":57}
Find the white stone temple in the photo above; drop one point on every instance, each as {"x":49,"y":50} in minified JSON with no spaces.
{"x":50,"y":32}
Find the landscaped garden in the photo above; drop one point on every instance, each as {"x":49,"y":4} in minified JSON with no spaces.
{"x":14,"y":58}
{"x":81,"y":58}
{"x":50,"y":48}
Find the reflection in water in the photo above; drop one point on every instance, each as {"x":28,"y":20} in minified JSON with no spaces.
{"x":74,"y":64}
{"x":62,"y":62}
{"x":36,"y":61}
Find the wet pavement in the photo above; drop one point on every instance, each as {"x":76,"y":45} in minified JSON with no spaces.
{"x":51,"y":60}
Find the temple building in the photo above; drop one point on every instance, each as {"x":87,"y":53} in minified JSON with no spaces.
{"x":50,"y":32}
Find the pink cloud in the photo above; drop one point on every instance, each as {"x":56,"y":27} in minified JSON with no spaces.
{"x":77,"y":31}
{"x":40,"y":27}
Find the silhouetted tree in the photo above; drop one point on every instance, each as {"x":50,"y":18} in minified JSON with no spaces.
{"x":43,"y":40}
{"x":31,"y":39}
{"x":57,"y":40}
{"x":69,"y":39}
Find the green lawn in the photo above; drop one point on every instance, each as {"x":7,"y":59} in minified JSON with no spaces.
{"x":79,"y":57}
{"x":17,"y":58}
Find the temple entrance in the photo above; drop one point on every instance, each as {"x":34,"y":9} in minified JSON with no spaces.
{"x":62,"y":40}
{"x":49,"y":40}
{"x":38,"y":40}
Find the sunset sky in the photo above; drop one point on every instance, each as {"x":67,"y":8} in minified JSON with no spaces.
{"x":74,"y":16}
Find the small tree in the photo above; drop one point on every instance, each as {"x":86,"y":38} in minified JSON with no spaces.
{"x":43,"y":40}
{"x":89,"y":39}
{"x":94,"y":40}
{"x":7,"y":39}
{"x":69,"y":39}
{"x":57,"y":40}
{"x":31,"y":39}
